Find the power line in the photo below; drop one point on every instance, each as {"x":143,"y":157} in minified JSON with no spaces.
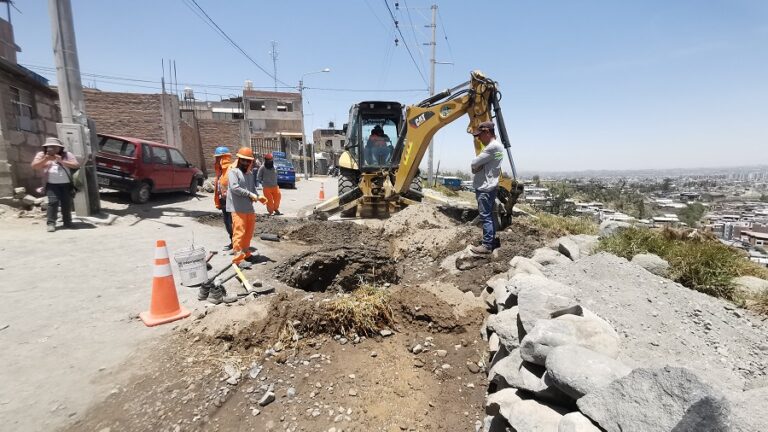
{"x":413,"y":30}
{"x":234,"y":44}
{"x":368,"y":90}
{"x":404,"y":42}
{"x":445,"y":35}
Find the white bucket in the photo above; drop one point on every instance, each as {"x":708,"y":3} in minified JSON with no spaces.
{"x":192,"y":265}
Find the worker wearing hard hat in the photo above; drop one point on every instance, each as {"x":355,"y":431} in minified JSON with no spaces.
{"x":267,"y":177}
{"x":222,"y":158}
{"x":241,"y":194}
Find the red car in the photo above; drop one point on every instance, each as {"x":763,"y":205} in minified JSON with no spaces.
{"x":143,"y":167}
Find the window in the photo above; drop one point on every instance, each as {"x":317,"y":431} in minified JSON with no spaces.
{"x":222,"y":116}
{"x":178,"y":158}
{"x":22,"y":102}
{"x":160,"y":155}
{"x":285,"y":106}
{"x":146,"y":154}
{"x":257,"y":105}
{"x":118,"y":147}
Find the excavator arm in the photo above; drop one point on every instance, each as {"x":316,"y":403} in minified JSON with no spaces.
{"x":477,"y":98}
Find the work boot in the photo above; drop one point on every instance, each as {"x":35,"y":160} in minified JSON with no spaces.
{"x":205,"y":289}
{"x":218,"y":295}
{"x":51,"y":228}
{"x":244,"y":265}
{"x":277,"y":213}
{"x":480,"y":250}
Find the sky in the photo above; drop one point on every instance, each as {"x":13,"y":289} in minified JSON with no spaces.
{"x":589,"y":84}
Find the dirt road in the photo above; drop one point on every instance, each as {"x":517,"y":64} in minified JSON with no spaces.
{"x":67,"y":320}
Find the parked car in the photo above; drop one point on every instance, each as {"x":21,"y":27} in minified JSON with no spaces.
{"x":286,"y":174}
{"x":142,"y":167}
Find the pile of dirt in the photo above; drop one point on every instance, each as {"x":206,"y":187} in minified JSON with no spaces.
{"x":332,"y":233}
{"x":416,"y":218}
{"x":337,"y":267}
{"x":264,"y":224}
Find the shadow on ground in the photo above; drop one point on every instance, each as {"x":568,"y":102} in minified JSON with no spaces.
{"x":159,"y":206}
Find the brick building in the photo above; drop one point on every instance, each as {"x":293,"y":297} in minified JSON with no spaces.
{"x":28,"y":114}
{"x":330,"y":142}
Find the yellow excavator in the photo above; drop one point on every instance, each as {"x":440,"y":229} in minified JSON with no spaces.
{"x":377,"y":177}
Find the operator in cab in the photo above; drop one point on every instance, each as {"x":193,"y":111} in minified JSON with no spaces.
{"x":486,"y":168}
{"x":378,"y":147}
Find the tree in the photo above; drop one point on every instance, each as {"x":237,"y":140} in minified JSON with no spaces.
{"x":536,"y":180}
{"x":666,"y":185}
{"x":691,"y":214}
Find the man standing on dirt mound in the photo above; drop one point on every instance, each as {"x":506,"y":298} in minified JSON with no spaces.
{"x":241,"y":194}
{"x":222,"y":158}
{"x":486,"y":168}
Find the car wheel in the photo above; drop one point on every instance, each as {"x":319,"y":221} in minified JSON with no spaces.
{"x":193,"y":187}
{"x":347,"y":182}
{"x":141,"y":193}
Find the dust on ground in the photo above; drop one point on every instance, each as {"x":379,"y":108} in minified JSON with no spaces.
{"x":425,"y":374}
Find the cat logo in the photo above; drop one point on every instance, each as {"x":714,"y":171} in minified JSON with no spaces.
{"x":418,"y":121}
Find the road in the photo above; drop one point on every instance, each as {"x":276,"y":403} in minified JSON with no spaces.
{"x":67,"y":319}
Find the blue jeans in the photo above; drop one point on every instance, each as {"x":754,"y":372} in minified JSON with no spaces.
{"x":485,"y":202}
{"x":227,"y":221}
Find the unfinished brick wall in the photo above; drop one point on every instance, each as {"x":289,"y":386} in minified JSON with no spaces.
{"x":216,"y":133}
{"x":128,"y":114}
{"x":190,"y":144}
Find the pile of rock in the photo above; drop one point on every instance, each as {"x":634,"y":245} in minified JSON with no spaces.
{"x":24,"y":202}
{"x":553,"y":363}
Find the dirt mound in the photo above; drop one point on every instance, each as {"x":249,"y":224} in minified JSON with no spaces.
{"x":339,"y":267}
{"x":337,"y":233}
{"x":438,"y":306}
{"x":415,"y":218}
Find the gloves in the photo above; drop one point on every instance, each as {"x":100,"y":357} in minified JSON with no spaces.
{"x":263,"y":200}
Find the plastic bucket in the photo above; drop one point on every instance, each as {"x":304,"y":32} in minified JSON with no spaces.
{"x":192,"y":265}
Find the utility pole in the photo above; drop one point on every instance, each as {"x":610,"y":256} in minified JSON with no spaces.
{"x":432,"y":61}
{"x":303,"y":135}
{"x":74,"y":130}
{"x":273,"y":53}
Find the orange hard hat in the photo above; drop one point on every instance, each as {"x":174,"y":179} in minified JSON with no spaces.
{"x":245,"y":153}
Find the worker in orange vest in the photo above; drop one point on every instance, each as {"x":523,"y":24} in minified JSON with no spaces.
{"x":222,"y":158}
{"x":267,"y":177}
{"x":241,"y":194}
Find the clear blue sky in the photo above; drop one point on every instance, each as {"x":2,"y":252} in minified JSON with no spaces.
{"x":591,"y":84}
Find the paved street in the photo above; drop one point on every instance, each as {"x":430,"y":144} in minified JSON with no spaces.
{"x":68,"y":299}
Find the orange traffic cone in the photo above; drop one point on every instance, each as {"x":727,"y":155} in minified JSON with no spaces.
{"x":322,"y":192}
{"x":164,"y":306}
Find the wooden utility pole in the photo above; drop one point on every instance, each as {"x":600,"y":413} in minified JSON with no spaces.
{"x":73,"y":131}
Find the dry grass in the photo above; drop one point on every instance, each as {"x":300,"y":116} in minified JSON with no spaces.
{"x":760,"y":304}
{"x":558,"y":226}
{"x":364,"y":311}
{"x":700,"y":263}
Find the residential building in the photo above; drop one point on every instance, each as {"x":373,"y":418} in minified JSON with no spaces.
{"x":755,"y":238}
{"x":274,"y":122}
{"x":28,"y":114}
{"x":330,"y":142}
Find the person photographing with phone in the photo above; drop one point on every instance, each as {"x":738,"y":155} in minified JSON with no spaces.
{"x":56,"y":165}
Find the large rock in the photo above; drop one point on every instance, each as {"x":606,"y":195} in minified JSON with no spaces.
{"x":502,"y":399}
{"x":504,"y":324}
{"x":569,"y":248}
{"x":589,"y":331}
{"x":546,"y":256}
{"x":587,"y":243}
{"x":532,"y":416}
{"x":576,"y":422}
{"x":653,"y":263}
{"x":497,"y":281}
{"x":609,"y":227}
{"x":539,"y":297}
{"x":667,"y":399}
{"x":578,"y":371}
{"x":751,"y":285}
{"x":744,"y":407}
{"x":505,"y":372}
{"x":525,"y":265}
{"x":495,"y":424}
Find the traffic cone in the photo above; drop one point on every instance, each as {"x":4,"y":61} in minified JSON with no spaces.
{"x":164,"y":306}
{"x":322,"y":192}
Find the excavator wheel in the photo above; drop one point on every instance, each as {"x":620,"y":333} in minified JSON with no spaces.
{"x":416,"y":187}
{"x":347,"y":182}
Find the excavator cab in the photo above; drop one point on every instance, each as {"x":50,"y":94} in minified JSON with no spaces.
{"x":372,"y":133}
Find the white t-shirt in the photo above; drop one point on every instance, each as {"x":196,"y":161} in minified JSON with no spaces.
{"x":57,"y":174}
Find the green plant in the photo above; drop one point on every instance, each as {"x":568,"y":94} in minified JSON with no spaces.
{"x":760,"y":303}
{"x":702,"y":264}
{"x":556,"y":226}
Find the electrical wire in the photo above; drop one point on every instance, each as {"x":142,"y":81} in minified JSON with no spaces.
{"x":445,"y":35}
{"x":413,"y":31}
{"x":405,"y":43}
{"x":233,"y":43}
{"x":367,"y":90}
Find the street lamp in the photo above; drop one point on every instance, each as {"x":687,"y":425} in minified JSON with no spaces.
{"x":303,"y":135}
